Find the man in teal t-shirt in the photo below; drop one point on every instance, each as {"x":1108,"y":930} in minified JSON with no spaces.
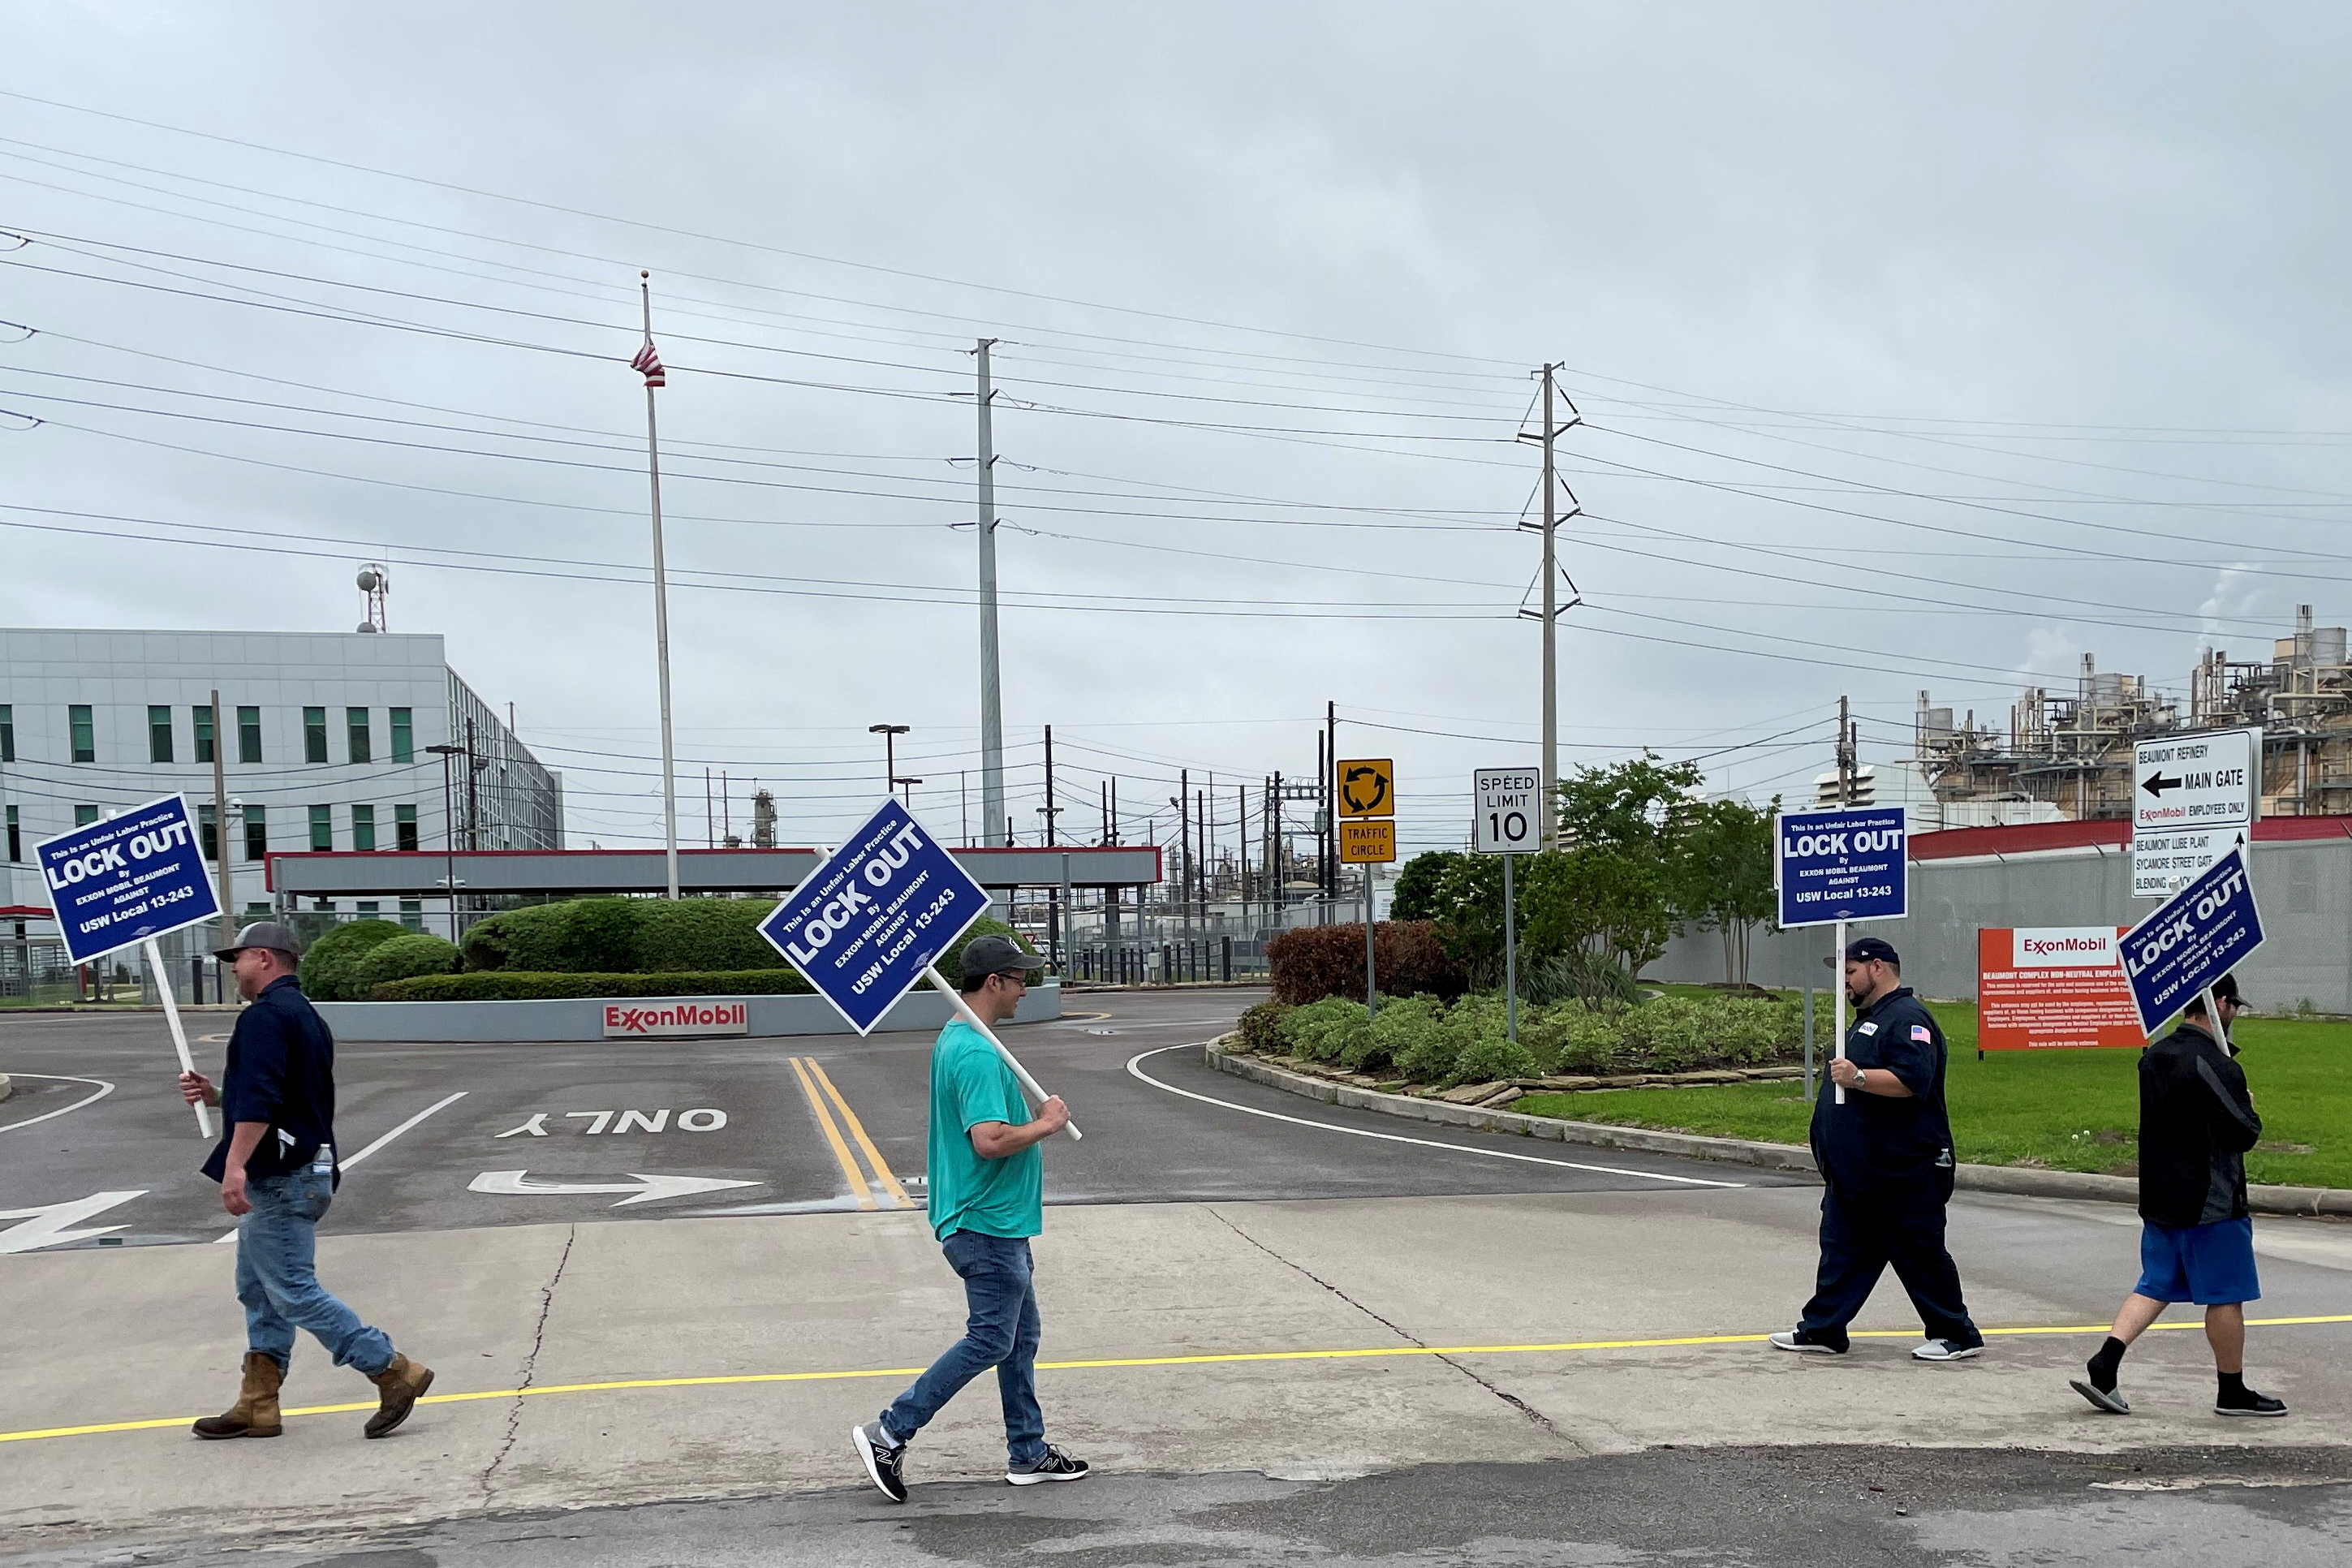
{"x":986,"y":1200}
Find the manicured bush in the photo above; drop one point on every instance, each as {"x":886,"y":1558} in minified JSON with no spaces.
{"x":636,"y":936}
{"x":404,"y":956}
{"x":331,"y":969}
{"x":518,"y":985}
{"x":1315,"y":962}
{"x":1321,"y":1031}
{"x":701,"y":933}
{"x":1261,"y":1028}
{"x":578,"y":935}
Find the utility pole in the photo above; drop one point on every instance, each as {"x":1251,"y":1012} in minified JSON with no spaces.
{"x":647,"y":363}
{"x":1328,"y":843}
{"x":992,"y":689}
{"x":1548,"y":829}
{"x":1847,"y":755}
{"x":220,"y":826}
{"x":1183,"y":804}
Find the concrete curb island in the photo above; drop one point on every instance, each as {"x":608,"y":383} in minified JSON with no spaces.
{"x":2021,"y":1181}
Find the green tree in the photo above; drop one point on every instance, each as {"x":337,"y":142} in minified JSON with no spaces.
{"x":1416,"y":885}
{"x":1633,"y":807}
{"x":1723,"y":874}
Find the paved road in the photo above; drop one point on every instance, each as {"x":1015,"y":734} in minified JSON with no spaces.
{"x":764,"y":1126}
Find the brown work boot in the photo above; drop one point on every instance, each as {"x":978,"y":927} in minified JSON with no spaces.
{"x":255,"y":1414}
{"x":403,"y":1382}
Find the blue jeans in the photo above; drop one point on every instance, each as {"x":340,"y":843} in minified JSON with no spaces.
{"x":1001,"y":1331}
{"x":277,"y":1276}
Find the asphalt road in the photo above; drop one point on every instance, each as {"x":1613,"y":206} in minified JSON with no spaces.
{"x":1737,"y":1508}
{"x":444,"y":1136}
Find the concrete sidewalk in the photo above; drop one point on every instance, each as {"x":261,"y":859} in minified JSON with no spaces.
{"x":100,"y":1337}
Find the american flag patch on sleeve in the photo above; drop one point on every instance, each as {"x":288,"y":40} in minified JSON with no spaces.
{"x":1919,"y":1033}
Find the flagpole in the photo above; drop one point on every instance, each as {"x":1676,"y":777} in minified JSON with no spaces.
{"x":661,"y":608}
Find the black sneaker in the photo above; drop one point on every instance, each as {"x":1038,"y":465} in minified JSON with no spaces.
{"x":1056,"y":1466}
{"x":882,"y":1459}
{"x":2110,"y":1400}
{"x":2249,"y":1404}
{"x":1795,"y":1339}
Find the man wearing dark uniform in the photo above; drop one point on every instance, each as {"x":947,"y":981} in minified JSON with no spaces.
{"x":1885,"y":1160}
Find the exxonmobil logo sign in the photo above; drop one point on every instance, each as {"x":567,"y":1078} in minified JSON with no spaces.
{"x":2066,"y":947}
{"x":643,"y":1019}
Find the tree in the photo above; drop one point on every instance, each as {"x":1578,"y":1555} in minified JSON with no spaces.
{"x":1723,"y":874}
{"x":1602,"y":899}
{"x":1630,"y":807}
{"x":1417,"y":884}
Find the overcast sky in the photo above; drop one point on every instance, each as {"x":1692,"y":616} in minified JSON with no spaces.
{"x":1914,"y":350}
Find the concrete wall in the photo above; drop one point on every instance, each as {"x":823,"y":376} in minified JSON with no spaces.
{"x":2303,"y":888}
{"x":582,"y":1018}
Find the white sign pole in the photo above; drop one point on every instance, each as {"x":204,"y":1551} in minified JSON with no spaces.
{"x":172,"y":1011}
{"x":964,"y":1010}
{"x":1837,"y":983}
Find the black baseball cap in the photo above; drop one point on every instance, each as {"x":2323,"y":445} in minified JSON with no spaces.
{"x":1868,"y":949}
{"x":987,"y":955}
{"x":2226,"y":990}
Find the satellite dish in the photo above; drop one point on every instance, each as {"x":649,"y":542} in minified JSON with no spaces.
{"x":366,"y":627}
{"x":370,"y":580}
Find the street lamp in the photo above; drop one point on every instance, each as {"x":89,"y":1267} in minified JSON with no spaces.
{"x":449,"y":832}
{"x":889,"y":733}
{"x":909,"y":787}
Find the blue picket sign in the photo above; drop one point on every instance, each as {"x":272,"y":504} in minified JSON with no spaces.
{"x":2193,"y":939}
{"x":117,"y":883}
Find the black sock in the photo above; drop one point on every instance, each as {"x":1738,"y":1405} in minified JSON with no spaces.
{"x":2233,"y":1386}
{"x":2104,"y":1364}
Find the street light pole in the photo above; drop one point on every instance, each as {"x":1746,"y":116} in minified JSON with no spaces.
{"x":889,"y":733}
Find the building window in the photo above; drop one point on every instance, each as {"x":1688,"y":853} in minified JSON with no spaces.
{"x":314,"y":734}
{"x":201,"y":718}
{"x":249,"y":734}
{"x":322,"y":828}
{"x":257,"y":833}
{"x":355,"y":726}
{"x":208,"y":832}
{"x":404,"y":828}
{"x":363,"y":827}
{"x":158,"y":733}
{"x":367,"y":908}
{"x":15,"y":836}
{"x":85,"y":737}
{"x":411,"y":913}
{"x":84,"y":815}
{"x":404,"y":736}
{"x":8,"y":733}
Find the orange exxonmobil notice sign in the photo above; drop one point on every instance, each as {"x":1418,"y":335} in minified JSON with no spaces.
{"x":2053,"y":987}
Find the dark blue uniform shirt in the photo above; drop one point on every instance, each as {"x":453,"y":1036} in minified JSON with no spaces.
{"x":281,"y":1070}
{"x":1877,"y":1135}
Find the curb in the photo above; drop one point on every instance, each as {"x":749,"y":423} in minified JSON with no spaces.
{"x":6,"y":1089}
{"x":2019,"y":1181}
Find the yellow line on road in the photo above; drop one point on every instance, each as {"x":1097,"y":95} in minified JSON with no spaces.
{"x":1206,"y":1359}
{"x":833,"y":1136}
{"x":857,"y":1130}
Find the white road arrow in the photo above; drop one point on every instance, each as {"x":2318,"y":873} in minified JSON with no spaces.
{"x":646,"y":1189}
{"x":48,"y":1226}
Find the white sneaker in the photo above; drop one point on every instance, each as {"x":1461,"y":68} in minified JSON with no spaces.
{"x":1946,"y":1349}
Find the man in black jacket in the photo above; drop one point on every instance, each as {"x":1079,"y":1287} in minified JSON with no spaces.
{"x":2197,"y":1237}
{"x":277,"y":1169}
{"x":1886,"y":1159}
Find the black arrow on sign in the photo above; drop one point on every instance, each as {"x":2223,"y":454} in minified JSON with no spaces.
{"x":1347,"y":792}
{"x":2157,"y":784}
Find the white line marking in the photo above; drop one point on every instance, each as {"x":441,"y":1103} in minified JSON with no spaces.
{"x":104,"y":1088}
{"x":1398,"y":1138}
{"x":438,"y":1105}
{"x":50,"y":1226}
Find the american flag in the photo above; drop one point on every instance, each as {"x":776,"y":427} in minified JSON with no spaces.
{"x":650,"y":364}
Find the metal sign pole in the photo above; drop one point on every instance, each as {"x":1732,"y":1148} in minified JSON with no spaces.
{"x":172,"y":1012}
{"x":963,"y":1010}
{"x":1510,"y":959}
{"x":1371,"y":982}
{"x":1837,"y":985}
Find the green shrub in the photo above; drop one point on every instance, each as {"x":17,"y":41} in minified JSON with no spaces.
{"x":645,"y":936}
{"x":1261,"y":1028}
{"x":576,"y":936}
{"x":1488,"y":1057}
{"x":1315,"y":962}
{"x":518,"y":985}
{"x":1570,"y":1037}
{"x":1322,"y":1031}
{"x":330,"y":971}
{"x":1417,"y":1038}
{"x":700,"y":934}
{"x":403,"y":956}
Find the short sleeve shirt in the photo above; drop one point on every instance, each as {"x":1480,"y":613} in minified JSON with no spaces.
{"x":969,"y":1084}
{"x":1881,"y":1135}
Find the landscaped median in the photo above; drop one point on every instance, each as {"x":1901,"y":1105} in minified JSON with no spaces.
{"x":2053,"y":1123}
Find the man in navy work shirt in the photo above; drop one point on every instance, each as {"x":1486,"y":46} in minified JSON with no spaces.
{"x":1886,"y":1159}
{"x":987,"y":1188}
{"x":276,"y":1166}
{"x":2197,"y":1120}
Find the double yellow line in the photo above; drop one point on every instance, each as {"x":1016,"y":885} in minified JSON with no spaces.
{"x":819,"y":1088}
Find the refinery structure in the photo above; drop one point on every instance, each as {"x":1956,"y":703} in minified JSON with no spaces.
{"x":2069,"y":757}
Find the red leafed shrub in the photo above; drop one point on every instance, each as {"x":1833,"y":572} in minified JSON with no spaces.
{"x":1315,"y":962}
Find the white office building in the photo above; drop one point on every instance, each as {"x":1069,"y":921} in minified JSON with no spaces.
{"x":325,"y":742}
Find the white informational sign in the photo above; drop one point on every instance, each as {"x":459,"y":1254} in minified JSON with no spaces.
{"x":2194,"y":799}
{"x":1509,"y":815}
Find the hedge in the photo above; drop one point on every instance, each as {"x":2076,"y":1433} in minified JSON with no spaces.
{"x":1315,"y":962}
{"x":404,"y":956}
{"x":522,"y":985}
{"x":330,"y":972}
{"x":643,"y":936}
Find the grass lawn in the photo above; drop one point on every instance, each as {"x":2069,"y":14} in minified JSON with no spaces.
{"x":2070,"y":1110}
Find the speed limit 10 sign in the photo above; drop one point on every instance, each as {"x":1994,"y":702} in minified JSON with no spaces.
{"x":1509,"y":811}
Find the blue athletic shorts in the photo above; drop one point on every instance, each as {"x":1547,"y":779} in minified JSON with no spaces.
{"x":2211,"y":1264}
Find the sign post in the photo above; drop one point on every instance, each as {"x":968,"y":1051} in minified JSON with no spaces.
{"x":125,"y":882}
{"x":2194,"y":799}
{"x":869,"y":923}
{"x":1367,"y":797}
{"x":1833,"y":867}
{"x":1505,"y":820}
{"x":2194,"y":938}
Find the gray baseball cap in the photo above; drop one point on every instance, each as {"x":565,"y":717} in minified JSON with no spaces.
{"x":262,"y":933}
{"x":987,"y":955}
